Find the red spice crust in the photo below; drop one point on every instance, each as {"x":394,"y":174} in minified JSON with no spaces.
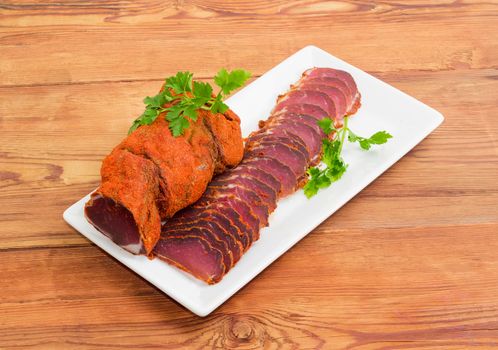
{"x":154,"y":174}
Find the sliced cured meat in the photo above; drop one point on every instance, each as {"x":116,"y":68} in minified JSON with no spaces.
{"x":263,"y":176}
{"x":242,"y":193}
{"x":305,"y":119}
{"x":266,"y":194}
{"x":311,"y":97}
{"x":307,"y":109}
{"x":215,"y":226}
{"x":332,"y":92}
{"x":339,"y":74}
{"x":300,"y":127}
{"x":279,"y":134}
{"x":217,"y":229}
{"x":193,"y":255}
{"x":332,"y":73}
{"x":229,"y":203}
{"x":226,"y":220}
{"x":280,"y":171}
{"x":334,"y":82}
{"x":266,"y":137}
{"x":289,"y":156}
{"x":212,"y":238}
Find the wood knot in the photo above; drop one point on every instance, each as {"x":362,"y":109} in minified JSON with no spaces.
{"x":242,"y":330}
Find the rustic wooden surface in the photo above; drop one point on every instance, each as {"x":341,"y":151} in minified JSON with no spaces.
{"x":411,"y":262}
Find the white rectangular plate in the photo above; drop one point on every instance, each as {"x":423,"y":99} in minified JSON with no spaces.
{"x":383,"y":108}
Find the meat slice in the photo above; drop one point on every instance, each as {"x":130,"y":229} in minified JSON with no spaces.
{"x":267,"y":178}
{"x":294,"y":144}
{"x":354,"y":94}
{"x":225,"y":204}
{"x":217,"y":228}
{"x":307,"y":109}
{"x":192,"y":254}
{"x":266,"y":194}
{"x":333,"y":82}
{"x":267,"y":136}
{"x":302,"y":118}
{"x":283,"y":152}
{"x":332,"y":73}
{"x":242,"y":193}
{"x":300,"y":127}
{"x":279,"y":170}
{"x":228,"y":218}
{"x":335,"y":94}
{"x":286,"y":133}
{"x":316,"y":98}
{"x":204,"y":231}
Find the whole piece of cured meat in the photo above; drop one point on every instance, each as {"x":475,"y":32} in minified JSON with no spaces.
{"x":151,"y":175}
{"x":209,"y":237}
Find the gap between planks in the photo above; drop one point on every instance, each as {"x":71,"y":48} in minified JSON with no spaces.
{"x":97,"y":82}
{"x":211,"y":77}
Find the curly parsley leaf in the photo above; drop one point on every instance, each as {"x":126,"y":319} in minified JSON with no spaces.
{"x":174,"y":112}
{"x":186,"y":96}
{"x":327,"y":125}
{"x":229,"y":81}
{"x":134,"y":126}
{"x":318,"y":180}
{"x":178,"y":125}
{"x":190,"y":111}
{"x":332,"y":158}
{"x":218,"y":106}
{"x":378,"y":138}
{"x":335,"y":167}
{"x":333,"y":164}
{"x":156,"y":102}
{"x":202,"y":93}
{"x":180,"y":83}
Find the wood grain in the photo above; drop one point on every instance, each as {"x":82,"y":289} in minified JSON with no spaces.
{"x":251,"y":34}
{"x":410,"y":262}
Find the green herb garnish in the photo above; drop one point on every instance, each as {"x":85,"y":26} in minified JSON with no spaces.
{"x":335,"y":167}
{"x":187,"y":96}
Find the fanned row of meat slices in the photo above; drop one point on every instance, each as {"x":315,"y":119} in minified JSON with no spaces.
{"x":208,"y":238}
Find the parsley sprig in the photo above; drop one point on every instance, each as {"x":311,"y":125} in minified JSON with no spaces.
{"x":334,"y":165}
{"x":186,"y":96}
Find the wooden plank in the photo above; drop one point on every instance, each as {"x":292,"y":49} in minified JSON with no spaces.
{"x":62,"y":43}
{"x":378,"y":288}
{"x":44,"y":13}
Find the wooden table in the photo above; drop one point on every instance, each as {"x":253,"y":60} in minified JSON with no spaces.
{"x":411,"y":262}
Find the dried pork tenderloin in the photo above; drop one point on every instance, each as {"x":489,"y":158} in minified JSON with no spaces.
{"x":209,"y":237}
{"x":151,"y":175}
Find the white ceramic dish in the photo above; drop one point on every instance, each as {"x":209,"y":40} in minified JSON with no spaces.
{"x":383,"y":108}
